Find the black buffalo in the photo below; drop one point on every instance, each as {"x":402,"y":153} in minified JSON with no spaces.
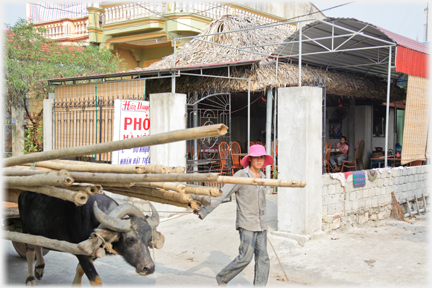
{"x":63,"y":220}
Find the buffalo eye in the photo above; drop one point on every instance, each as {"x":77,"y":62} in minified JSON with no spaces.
{"x":130,"y":240}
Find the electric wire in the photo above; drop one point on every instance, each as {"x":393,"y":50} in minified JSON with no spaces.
{"x":197,"y":13}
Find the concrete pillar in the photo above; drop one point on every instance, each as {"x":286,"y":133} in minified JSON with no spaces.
{"x":17,"y":131}
{"x":300,"y":157}
{"x":168,"y":113}
{"x":48,"y":131}
{"x":352,"y":142}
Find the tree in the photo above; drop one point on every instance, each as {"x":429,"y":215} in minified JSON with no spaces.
{"x":30,"y":58}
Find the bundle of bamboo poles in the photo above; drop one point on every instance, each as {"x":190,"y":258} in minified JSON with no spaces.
{"x":75,"y":181}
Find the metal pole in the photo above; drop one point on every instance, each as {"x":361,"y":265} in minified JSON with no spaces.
{"x":173,"y":83}
{"x":300,"y":52}
{"x":387,"y":106}
{"x":268,"y":127}
{"x":248,"y":124}
{"x":195,"y":143}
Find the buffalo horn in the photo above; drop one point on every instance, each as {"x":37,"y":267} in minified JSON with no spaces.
{"x":153,"y":221}
{"x":111,"y":222}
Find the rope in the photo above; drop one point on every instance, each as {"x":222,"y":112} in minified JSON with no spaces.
{"x":105,"y":245}
{"x":278,"y":259}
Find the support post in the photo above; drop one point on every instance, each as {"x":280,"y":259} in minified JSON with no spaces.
{"x":300,"y":53}
{"x":387,"y":106}
{"x":48,"y":130}
{"x":300,"y":209}
{"x":351,"y":130}
{"x":268,"y":127}
{"x":248,"y":123}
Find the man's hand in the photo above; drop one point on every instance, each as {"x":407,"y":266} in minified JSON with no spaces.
{"x":196,"y":212}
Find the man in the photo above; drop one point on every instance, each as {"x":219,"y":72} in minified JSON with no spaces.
{"x":251,"y":219}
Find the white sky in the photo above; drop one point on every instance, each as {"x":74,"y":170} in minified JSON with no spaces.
{"x":403,"y":17}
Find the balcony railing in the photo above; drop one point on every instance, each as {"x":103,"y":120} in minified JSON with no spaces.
{"x":212,"y":10}
{"x":65,"y":28}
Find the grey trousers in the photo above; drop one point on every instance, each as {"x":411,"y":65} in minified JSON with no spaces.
{"x":251,"y":244}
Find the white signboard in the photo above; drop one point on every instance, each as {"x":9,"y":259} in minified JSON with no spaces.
{"x":131,"y":119}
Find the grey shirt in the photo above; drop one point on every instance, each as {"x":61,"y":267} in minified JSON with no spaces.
{"x":251,"y":203}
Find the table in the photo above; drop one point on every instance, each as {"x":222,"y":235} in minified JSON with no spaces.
{"x":391,"y":158}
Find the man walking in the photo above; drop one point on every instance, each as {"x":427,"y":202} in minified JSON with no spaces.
{"x":251,"y":219}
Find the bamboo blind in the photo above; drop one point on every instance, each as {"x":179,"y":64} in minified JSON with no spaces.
{"x":80,"y":123}
{"x":416,"y":120}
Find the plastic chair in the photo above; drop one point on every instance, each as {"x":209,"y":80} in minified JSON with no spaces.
{"x":235,"y":149}
{"x":351,"y":164}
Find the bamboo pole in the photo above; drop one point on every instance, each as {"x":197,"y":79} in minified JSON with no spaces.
{"x":156,"y":199}
{"x":203,"y":190}
{"x":53,"y":244}
{"x":79,"y":198}
{"x":205,"y":200}
{"x":102,"y":168}
{"x":259,"y":181}
{"x":108,"y":178}
{"x":175,"y":186}
{"x":88,"y":189}
{"x":177,"y":169}
{"x":39,"y":180}
{"x":172,"y":196}
{"x":161,"y":138}
{"x":195,"y":177}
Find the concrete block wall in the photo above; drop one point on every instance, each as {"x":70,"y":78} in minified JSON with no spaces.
{"x":353,"y":206}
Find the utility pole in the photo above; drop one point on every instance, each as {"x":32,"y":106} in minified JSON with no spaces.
{"x":426,"y":10}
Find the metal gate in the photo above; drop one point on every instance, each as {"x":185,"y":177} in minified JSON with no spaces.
{"x":79,"y":122}
{"x":210,"y":106}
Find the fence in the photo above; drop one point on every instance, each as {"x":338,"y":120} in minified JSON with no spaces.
{"x":350,"y":205}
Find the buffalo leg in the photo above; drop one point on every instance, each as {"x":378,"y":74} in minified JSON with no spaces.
{"x":30,"y":256}
{"x":86,"y":264}
{"x":40,"y":263}
{"x":78,"y":275}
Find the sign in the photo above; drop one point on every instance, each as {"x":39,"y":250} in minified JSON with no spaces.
{"x":131,"y":119}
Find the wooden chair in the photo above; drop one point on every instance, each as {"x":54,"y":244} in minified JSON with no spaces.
{"x":251,"y":143}
{"x":351,"y":164}
{"x":272,"y":153}
{"x":327,"y":166}
{"x":360,"y":153}
{"x":235,"y":149}
{"x":224,"y":152}
{"x":192,"y":150}
{"x":415,"y":163}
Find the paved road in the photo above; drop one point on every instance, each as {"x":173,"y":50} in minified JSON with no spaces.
{"x":379,"y":253}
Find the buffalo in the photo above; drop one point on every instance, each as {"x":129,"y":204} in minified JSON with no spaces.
{"x":101,"y":215}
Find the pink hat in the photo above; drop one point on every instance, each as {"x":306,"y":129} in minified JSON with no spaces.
{"x":254,"y":151}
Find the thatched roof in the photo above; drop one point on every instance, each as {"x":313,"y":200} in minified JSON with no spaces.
{"x":263,"y":72}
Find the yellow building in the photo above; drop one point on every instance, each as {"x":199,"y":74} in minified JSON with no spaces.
{"x":143,"y":32}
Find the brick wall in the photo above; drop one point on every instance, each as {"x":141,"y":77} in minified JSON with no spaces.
{"x":352,"y":206}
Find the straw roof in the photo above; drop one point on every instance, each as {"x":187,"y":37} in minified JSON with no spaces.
{"x":262,"y":73}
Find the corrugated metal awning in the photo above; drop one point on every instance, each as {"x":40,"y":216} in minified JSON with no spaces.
{"x":352,"y":45}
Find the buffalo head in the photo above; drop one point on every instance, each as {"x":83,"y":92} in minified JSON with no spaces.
{"x":131,"y":236}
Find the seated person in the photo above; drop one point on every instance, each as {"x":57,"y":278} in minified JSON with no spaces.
{"x":342,"y":154}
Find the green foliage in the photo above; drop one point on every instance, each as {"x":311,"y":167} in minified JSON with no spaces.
{"x":33,"y":140}
{"x":29,"y":57}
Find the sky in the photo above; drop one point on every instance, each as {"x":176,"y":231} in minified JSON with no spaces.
{"x":402,"y":17}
